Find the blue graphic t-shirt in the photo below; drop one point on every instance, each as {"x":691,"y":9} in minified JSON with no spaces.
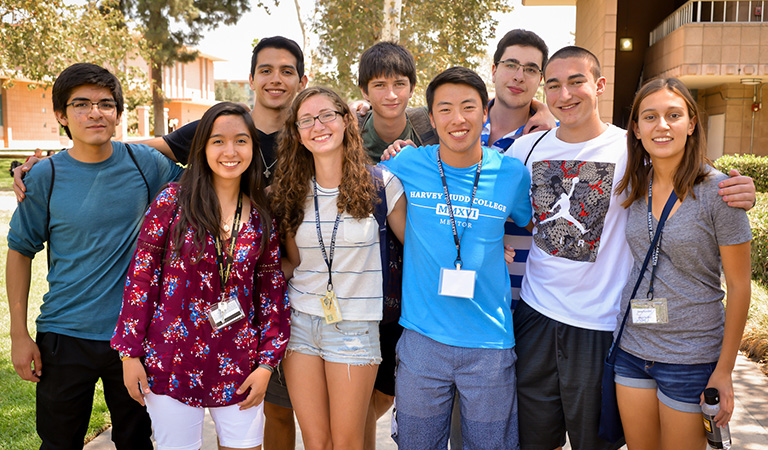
{"x":484,"y":321}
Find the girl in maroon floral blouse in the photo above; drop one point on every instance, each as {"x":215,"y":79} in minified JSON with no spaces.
{"x":205,"y":318}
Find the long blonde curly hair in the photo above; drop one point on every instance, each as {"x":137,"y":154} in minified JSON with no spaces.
{"x":296,"y":167}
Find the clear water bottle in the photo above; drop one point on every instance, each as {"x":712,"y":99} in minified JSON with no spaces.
{"x":716,"y":437}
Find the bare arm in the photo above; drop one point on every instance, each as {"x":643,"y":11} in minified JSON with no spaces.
{"x":541,"y":120}
{"x":159,"y":144}
{"x":25,"y":354}
{"x":738,"y":191}
{"x":395,"y":147}
{"x":737,"y":270}
{"x":396,"y":218}
{"x":18,"y":174}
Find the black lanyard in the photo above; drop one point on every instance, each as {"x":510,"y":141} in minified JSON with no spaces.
{"x":328,"y":261}
{"x":456,"y":237}
{"x":668,"y":207}
{"x":224,"y":270}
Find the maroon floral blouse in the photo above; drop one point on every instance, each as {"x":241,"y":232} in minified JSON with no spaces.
{"x":164,"y":314}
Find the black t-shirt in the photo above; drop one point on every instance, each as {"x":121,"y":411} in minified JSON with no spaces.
{"x":180,"y":142}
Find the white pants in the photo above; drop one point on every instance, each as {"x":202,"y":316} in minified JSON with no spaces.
{"x":178,"y":426}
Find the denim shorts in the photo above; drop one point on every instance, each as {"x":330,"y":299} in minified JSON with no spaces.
{"x":354,"y":342}
{"x":678,"y":386}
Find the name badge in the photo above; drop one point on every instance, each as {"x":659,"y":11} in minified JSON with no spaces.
{"x":646,"y":311}
{"x":331,"y":309}
{"x":457,"y":282}
{"x":225,"y":313}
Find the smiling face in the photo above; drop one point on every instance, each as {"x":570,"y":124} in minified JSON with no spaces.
{"x":275,"y":80}
{"x":94,"y":128}
{"x":572,"y":91}
{"x":229,"y":149}
{"x":515,"y":89}
{"x":389,"y":96}
{"x":663,"y":125}
{"x":321,"y":138}
{"x":458,"y":115}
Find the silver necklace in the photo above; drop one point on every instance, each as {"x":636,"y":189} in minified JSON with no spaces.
{"x":267,"y":172}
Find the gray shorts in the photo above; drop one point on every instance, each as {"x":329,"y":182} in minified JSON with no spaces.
{"x":277,"y":390}
{"x":559,"y":374}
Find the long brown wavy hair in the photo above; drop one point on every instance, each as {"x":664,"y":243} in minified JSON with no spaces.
{"x":199,"y":205}
{"x":693,"y":167}
{"x":296,"y":167}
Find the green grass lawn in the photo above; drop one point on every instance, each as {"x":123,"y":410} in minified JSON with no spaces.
{"x":17,"y":397}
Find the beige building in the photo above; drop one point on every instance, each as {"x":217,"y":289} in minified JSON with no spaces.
{"x":718,"y":48}
{"x":26,"y":110}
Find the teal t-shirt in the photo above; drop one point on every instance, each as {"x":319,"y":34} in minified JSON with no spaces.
{"x":96,"y":211}
{"x":484,"y":321}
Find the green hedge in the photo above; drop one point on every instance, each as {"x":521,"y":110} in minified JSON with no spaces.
{"x":758,"y":218}
{"x":750,"y":165}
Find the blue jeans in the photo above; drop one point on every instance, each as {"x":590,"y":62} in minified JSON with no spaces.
{"x":678,"y":386}
{"x":428,"y":375}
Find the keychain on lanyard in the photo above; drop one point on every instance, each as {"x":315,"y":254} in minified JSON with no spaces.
{"x":330,"y":303}
{"x":227,"y":310}
{"x":457,"y":282}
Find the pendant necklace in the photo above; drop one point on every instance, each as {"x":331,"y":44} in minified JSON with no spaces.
{"x":267,"y":172}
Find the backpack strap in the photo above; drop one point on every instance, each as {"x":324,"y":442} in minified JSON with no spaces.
{"x":133,"y":158}
{"x":525,"y":163}
{"x":48,"y":214}
{"x":420,"y":122}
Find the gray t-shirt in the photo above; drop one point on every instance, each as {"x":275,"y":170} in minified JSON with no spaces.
{"x":687,"y":275}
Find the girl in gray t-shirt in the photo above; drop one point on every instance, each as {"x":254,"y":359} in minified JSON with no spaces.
{"x":678,"y":340}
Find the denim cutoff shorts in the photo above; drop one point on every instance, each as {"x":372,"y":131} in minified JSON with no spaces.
{"x":354,"y":342}
{"x":678,"y":386}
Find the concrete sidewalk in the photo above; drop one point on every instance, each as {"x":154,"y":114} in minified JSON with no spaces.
{"x":749,"y":425}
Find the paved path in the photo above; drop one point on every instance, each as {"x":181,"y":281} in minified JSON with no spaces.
{"x":749,"y":425}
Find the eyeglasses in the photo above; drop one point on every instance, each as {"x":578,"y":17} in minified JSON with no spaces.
{"x":513,"y":66}
{"x":84,"y":106}
{"x":309,"y":122}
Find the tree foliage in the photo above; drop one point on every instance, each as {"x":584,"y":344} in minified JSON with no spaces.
{"x":439,"y":33}
{"x":230,"y":92}
{"x":41,"y":38}
{"x":171,"y":27}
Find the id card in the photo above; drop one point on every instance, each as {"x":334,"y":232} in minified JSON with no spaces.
{"x":225,"y":313}
{"x":649,"y":311}
{"x":331,"y":307}
{"x":457,"y":283}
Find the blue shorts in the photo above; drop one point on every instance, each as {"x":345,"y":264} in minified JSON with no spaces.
{"x":429,"y":374}
{"x":679,"y":386}
{"x":354,"y":342}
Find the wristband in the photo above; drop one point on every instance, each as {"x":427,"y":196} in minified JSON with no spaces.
{"x":124,"y":358}
{"x":266,"y":366}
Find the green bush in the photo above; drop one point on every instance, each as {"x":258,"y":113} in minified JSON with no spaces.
{"x":750,"y":165}
{"x":758,"y":218}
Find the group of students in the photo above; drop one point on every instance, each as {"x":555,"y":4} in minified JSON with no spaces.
{"x":205,"y":313}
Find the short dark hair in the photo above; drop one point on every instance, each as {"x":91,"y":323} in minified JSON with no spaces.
{"x":457,"y":75}
{"x":385,"y":59}
{"x":81,"y":74}
{"x":282,"y":43}
{"x":577,"y":52}
{"x":523,"y":38}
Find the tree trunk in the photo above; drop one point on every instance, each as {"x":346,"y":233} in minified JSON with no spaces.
{"x":391,"y":26}
{"x":158,"y":99}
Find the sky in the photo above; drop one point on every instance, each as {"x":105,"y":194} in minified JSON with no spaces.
{"x":554,"y":24}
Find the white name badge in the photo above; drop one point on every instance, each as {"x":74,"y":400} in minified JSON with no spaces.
{"x":646,"y":311}
{"x":457,"y":283}
{"x":225,"y":313}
